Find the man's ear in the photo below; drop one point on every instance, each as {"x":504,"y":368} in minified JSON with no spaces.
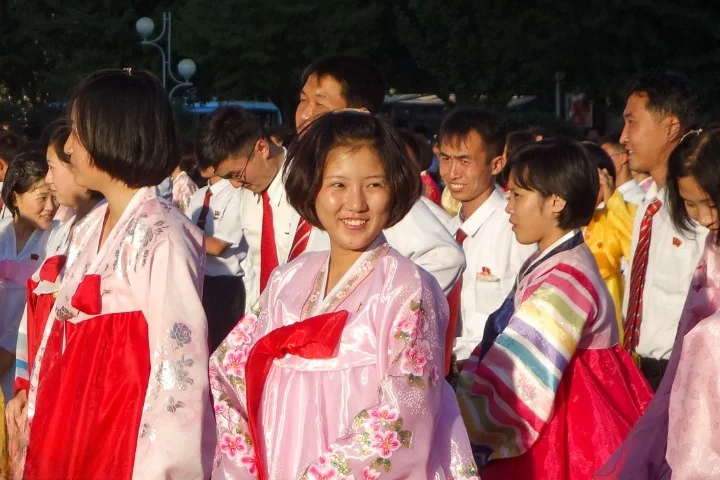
{"x":497,"y":164}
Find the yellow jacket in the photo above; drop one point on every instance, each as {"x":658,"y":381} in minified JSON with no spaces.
{"x":608,"y":236}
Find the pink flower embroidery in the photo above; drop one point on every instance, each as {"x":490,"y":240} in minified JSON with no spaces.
{"x":370,"y":474}
{"x":234,"y":362}
{"x":384,"y":413}
{"x":415,"y":358}
{"x":248,"y":461}
{"x":232,"y":445}
{"x":220,"y":409}
{"x":324,"y":472}
{"x":409,"y":324}
{"x":240,"y":335}
{"x":385,"y":443}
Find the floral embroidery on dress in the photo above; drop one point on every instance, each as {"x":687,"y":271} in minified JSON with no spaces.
{"x":234,"y":350}
{"x":172,"y":406}
{"x":181,"y":334}
{"x":240,"y":447}
{"x":468,"y":472}
{"x":416,"y":354}
{"x":173,"y":375}
{"x":330,"y":465}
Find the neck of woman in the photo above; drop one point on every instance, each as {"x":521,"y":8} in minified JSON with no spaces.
{"x":23,"y":231}
{"x":118,"y":196}
{"x":341,"y":260}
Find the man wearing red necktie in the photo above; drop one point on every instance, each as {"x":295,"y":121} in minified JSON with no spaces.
{"x":237,"y":147}
{"x":661,"y":108}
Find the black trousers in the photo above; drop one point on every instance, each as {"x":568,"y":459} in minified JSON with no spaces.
{"x":224,"y":303}
{"x":653,"y":370}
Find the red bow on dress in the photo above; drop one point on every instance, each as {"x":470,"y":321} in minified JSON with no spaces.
{"x":316,"y":337}
{"x":87,"y":297}
{"x":52,"y":267}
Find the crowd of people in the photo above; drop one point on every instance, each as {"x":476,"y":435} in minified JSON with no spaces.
{"x":323,"y":308}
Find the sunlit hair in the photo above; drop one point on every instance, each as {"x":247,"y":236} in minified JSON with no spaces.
{"x":125,"y":122}
{"x":305,"y":167}
{"x":559,"y":166}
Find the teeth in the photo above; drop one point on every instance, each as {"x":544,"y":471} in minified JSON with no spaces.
{"x":456,"y":186}
{"x":355,"y":223}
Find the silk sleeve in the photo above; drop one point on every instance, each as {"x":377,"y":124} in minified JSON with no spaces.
{"x":176,"y":436}
{"x":693,"y":445}
{"x":507,"y":398}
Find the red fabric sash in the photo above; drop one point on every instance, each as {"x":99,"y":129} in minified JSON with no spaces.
{"x":317,"y":337}
{"x":87,"y":297}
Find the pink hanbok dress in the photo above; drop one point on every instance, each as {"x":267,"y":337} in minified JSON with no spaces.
{"x":346,"y":385}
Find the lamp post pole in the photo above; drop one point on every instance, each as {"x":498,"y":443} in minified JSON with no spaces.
{"x":186,"y":67}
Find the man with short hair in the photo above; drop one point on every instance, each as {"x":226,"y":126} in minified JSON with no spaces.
{"x":472,"y":142}
{"x":344,"y":81}
{"x":661,"y":108}
{"x":238,"y":149}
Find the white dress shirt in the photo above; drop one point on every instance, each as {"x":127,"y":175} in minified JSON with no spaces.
{"x":251,"y":216}
{"x":223,"y":223}
{"x":672,"y":259}
{"x":419,"y":236}
{"x":632,"y":193}
{"x":494,"y":258}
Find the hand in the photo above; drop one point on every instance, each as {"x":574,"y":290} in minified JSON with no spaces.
{"x":607,"y":185}
{"x":16,"y":414}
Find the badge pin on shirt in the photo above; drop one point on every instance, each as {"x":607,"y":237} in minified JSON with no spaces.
{"x":486,"y":275}
{"x":677,"y":242}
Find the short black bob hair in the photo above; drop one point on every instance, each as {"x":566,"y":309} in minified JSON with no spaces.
{"x":697,"y":155}
{"x":559,"y":166}
{"x":491,"y":127}
{"x":227,"y":131}
{"x":670,"y":93}
{"x":362,"y":84}
{"x":419,"y":147}
{"x":305,"y":167}
{"x":24,"y":172}
{"x":124,"y":120}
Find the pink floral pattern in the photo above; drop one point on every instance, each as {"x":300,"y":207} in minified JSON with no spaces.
{"x":322,"y":472}
{"x":384,"y":413}
{"x":234,"y":362}
{"x":385,"y":443}
{"x":415,"y":358}
{"x":233,"y":445}
{"x":370,"y":474}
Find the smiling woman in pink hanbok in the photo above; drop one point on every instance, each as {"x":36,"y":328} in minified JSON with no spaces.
{"x":338,"y":372}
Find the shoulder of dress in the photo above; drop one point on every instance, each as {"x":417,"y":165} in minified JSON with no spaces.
{"x":158,"y":220}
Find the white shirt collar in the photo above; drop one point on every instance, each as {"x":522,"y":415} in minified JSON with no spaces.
{"x":471,"y":225}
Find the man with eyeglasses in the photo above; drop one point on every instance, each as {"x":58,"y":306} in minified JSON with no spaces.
{"x":628,"y":187}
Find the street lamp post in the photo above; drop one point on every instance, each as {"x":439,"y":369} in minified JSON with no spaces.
{"x":186,"y":67}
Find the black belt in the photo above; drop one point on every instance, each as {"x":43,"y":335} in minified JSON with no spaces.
{"x":653,"y":366}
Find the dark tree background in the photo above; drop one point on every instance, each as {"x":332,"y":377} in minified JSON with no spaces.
{"x":482,"y":51}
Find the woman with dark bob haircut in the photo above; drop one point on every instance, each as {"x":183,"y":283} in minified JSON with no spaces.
{"x":675,"y":437}
{"x":119,"y":388}
{"x":551,"y":350}
{"x":360,"y":391}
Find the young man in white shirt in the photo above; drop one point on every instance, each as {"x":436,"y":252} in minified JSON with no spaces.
{"x":215,"y":209}
{"x":660,"y":110}
{"x":9,"y":143}
{"x":343,"y":81}
{"x":472,"y":141}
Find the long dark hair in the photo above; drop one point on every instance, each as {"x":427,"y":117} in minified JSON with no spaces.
{"x":697,"y":155}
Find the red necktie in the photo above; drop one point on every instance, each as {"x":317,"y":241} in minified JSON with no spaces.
{"x":300,"y":242}
{"x":202,"y":219}
{"x":454,"y":304}
{"x":268,"y":251}
{"x":637,"y":278}
{"x":315,"y":337}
